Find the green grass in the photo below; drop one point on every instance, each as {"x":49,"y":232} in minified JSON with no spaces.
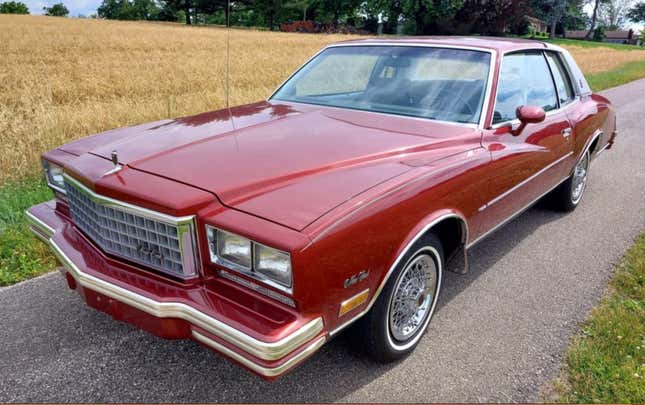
{"x":593,"y":44}
{"x":22,"y":255}
{"x":621,"y":75}
{"x":606,"y":362}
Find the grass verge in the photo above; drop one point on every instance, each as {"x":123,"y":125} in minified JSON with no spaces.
{"x":606,"y":362}
{"x":592,"y":44}
{"x":22,"y":255}
{"x":615,"y":77}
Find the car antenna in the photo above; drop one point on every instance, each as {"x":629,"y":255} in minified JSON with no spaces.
{"x":228,"y":63}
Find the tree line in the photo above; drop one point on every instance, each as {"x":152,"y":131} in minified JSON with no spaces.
{"x":17,"y":7}
{"x":413,"y":17}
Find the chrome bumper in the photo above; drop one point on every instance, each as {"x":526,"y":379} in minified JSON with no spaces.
{"x":272,"y":351}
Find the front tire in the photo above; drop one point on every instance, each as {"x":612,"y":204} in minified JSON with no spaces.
{"x":403,"y":310}
{"x":568,"y":195}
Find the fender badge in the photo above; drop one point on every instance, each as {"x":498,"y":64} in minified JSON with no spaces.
{"x":356,"y":278}
{"x":115,"y":161}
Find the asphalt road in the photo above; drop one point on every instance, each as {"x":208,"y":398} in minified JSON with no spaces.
{"x":498,"y":335}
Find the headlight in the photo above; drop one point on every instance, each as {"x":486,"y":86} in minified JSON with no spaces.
{"x":54,"y":176}
{"x":272,"y":263}
{"x":261,"y":262}
{"x":230,"y":248}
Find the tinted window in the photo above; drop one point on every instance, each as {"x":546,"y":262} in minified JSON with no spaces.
{"x":524,"y":79}
{"x":435,"y":83}
{"x":561,"y":77}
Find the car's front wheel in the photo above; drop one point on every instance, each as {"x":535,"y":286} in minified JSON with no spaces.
{"x":569,"y":194}
{"x":403,"y":310}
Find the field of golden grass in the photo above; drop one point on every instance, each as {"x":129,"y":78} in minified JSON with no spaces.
{"x":62,"y":79}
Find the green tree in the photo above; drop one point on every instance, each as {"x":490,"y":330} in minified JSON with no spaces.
{"x":57,"y":10}
{"x":594,"y":17}
{"x":187,"y":6}
{"x":494,"y":17}
{"x":13,"y":7}
{"x":128,"y":10}
{"x":637,"y":13}
{"x":302,"y":6}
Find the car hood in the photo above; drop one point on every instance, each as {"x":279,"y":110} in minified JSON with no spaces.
{"x":286,"y":163}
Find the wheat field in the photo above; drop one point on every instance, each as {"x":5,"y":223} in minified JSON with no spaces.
{"x":62,"y":79}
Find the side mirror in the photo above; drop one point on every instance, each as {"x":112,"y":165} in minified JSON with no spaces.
{"x":528,"y":114}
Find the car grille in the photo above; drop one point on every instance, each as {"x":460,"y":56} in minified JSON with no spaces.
{"x":136,"y":234}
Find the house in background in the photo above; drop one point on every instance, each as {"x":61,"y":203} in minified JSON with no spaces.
{"x":620,"y":37}
{"x":614,"y":37}
{"x":537,"y":25}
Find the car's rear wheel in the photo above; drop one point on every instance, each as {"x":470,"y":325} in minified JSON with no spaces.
{"x":568,"y":195}
{"x":403,"y":310}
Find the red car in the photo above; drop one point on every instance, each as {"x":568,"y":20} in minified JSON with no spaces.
{"x":264,"y":230}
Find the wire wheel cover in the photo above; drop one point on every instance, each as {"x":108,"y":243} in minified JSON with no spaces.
{"x":413,"y":297}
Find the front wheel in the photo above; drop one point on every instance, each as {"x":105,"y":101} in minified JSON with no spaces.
{"x":403,"y":310}
{"x":568,"y":195}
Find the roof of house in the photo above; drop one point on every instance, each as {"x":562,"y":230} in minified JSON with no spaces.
{"x":608,"y":34}
{"x":535,"y":19}
{"x":576,"y":34}
{"x":619,"y":34}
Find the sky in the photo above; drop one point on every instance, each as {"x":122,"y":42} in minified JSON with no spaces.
{"x":75,"y":7}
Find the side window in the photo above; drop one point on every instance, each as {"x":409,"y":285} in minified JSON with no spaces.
{"x":524,"y":79}
{"x":561,"y":77}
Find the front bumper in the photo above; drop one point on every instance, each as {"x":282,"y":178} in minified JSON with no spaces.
{"x":269,"y":344}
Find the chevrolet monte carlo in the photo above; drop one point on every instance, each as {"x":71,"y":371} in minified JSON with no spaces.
{"x":261,"y":231}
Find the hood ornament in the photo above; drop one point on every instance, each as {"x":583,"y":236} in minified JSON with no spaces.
{"x":115,"y":161}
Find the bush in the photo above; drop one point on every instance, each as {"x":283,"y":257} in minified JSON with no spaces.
{"x":299,"y":26}
{"x":599,"y":34}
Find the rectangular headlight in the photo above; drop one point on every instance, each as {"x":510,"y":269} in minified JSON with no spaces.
{"x":266,"y":264}
{"x":54,"y":176}
{"x":272,"y":264}
{"x":230,"y":248}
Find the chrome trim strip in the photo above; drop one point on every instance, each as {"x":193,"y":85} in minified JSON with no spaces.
{"x":525,"y":181}
{"x":396,"y":262}
{"x":596,"y":135}
{"x":602,"y":149}
{"x":513,"y":216}
{"x":126,"y":206}
{"x":263,"y":350}
{"x":265,"y":371}
{"x":489,"y":82}
{"x":458,"y":124}
{"x":39,"y":226}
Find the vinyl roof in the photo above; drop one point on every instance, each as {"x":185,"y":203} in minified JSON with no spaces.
{"x":499,"y":44}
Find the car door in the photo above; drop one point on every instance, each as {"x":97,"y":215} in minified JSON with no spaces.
{"x":524,"y":166}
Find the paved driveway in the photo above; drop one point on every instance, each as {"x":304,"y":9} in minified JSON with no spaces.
{"x":498,"y":335}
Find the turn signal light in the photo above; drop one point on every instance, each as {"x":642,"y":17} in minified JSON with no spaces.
{"x":353,"y":302}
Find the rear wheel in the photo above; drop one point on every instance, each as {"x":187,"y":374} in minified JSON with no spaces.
{"x":403,"y":310}
{"x":569,"y":194}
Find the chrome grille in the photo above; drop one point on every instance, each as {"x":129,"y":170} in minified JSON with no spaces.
{"x":146,"y":237}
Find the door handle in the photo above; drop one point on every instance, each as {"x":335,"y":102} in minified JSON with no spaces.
{"x":566,"y":132}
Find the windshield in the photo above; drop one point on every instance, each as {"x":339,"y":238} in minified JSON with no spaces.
{"x":435,"y":83}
